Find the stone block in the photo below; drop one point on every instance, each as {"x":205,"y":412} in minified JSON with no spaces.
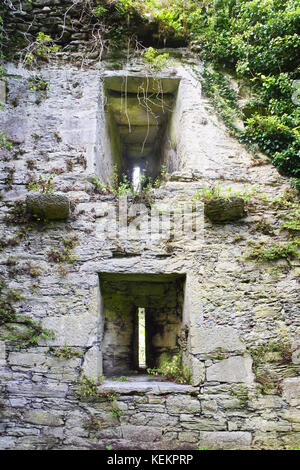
{"x":182,"y":404}
{"x":269,"y":401}
{"x":205,"y":424}
{"x":292,"y":415}
{"x":43,"y":418}
{"x":48,"y":206}
{"x":2,"y":92}
{"x":225,"y":439}
{"x":222,"y":210}
{"x":135,"y":84}
{"x":197,"y":369}
{"x":49,"y":390}
{"x":233,"y":369}
{"x":92,"y":364}
{"x":291,"y":390}
{"x":219,"y":338}
{"x":141,"y":433}
{"x":2,"y":353}
{"x":187,"y":436}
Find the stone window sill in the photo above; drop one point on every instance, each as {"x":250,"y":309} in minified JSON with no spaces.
{"x":145,"y":385}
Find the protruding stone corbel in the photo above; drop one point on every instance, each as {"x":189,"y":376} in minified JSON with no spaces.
{"x":48,"y":206}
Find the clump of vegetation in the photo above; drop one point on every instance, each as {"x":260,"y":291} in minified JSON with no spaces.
{"x":269,"y":382}
{"x":278,"y":351}
{"x":37,"y":84}
{"x":88,"y":388}
{"x":273,"y":351}
{"x":42,"y":48}
{"x":292,"y":223}
{"x":173,"y":370}
{"x":17,"y":216}
{"x":42,"y":185}
{"x":264,"y":226}
{"x":4,"y":142}
{"x":64,"y":352}
{"x":288,"y":251}
{"x":120,"y":186}
{"x":208,"y":193}
{"x":9,"y":180}
{"x":115,"y":411}
{"x":65,"y":254}
{"x":216,"y":85}
{"x":155,"y":59}
{"x":8,"y":242}
{"x":9,"y":318}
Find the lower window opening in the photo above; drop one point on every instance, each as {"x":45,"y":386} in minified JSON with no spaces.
{"x":141,"y":321}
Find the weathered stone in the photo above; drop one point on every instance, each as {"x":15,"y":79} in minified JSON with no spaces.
{"x":291,"y":440}
{"x":291,"y":390}
{"x":141,"y":433}
{"x":218,"y":338}
{"x":16,"y":331}
{"x":138,"y":84}
{"x":38,"y":390}
{"x":92,"y":365}
{"x":7,"y":443}
{"x":2,"y":353}
{"x":188,"y":436}
{"x":203,"y":423}
{"x":2,"y":92}
{"x":291,"y":415}
{"x":137,"y":113}
{"x":225,"y":440}
{"x":197,"y":369}
{"x":48,"y":206}
{"x":269,"y":401}
{"x":179,"y":404}
{"x":258,"y":423}
{"x":296,"y":357}
{"x":224,"y":210}
{"x":43,"y":418}
{"x":233,"y":369}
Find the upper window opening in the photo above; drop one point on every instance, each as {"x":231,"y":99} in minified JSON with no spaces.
{"x":138,"y":110}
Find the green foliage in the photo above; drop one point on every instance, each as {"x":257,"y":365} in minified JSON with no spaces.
{"x":258,"y":42}
{"x":8,"y":315}
{"x":37,"y":84}
{"x":288,"y":251}
{"x":216,"y":85}
{"x":88,"y":388}
{"x":292,"y":223}
{"x":42,"y":185}
{"x":4,"y":143}
{"x":42,"y":47}
{"x":64,"y":256}
{"x":115,"y":411}
{"x":173,"y":370}
{"x":260,"y":353}
{"x":100,"y":11}
{"x":65,"y":352}
{"x":155,"y":59}
{"x":217,"y":192}
{"x":279,"y":352}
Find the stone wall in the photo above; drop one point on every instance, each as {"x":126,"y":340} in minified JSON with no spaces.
{"x":241,"y":316}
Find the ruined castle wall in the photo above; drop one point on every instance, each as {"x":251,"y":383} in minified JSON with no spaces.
{"x":232,"y":305}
